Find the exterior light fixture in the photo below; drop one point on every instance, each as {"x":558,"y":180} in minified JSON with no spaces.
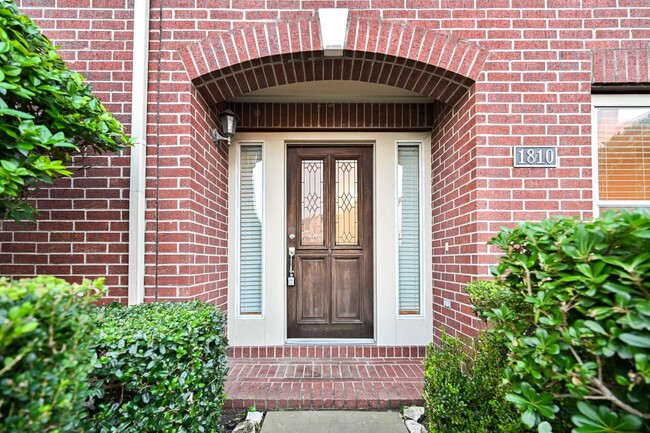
{"x":334,"y":25}
{"x":228,"y":120}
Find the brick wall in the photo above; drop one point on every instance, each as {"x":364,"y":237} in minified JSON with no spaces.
{"x":519,"y":72}
{"x":82,"y":229}
{"x":187,"y":179}
{"x":455,"y":211}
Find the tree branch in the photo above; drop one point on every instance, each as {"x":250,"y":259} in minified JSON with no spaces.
{"x":576,"y":356}
{"x":608,"y":395}
{"x":528,"y":282}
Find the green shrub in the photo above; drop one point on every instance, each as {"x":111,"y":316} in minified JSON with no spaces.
{"x":462,"y":387}
{"x":486,"y":295}
{"x":585,"y":337}
{"x":161,"y":368}
{"x":45,"y":357}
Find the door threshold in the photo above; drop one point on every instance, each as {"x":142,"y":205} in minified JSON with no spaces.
{"x":330,"y":341}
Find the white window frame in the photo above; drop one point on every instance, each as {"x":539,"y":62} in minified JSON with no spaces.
{"x":611,"y":101}
{"x":237,"y":242}
{"x":422,"y":220}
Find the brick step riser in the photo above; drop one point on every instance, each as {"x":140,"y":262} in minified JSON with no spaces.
{"x":326,"y":351}
{"x":331,"y":404}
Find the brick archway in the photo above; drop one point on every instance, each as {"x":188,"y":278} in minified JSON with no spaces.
{"x":262,"y":55}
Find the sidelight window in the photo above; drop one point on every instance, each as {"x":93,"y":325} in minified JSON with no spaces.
{"x":250,"y":230}
{"x":622,"y":151}
{"x":409,"y":231}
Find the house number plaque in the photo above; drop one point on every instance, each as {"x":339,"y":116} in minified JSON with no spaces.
{"x":535,"y":156}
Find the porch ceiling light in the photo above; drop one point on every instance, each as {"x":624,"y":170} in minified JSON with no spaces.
{"x":228,"y":120}
{"x":333,"y":30}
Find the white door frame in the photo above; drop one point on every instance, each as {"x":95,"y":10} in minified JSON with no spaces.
{"x":269,"y":328}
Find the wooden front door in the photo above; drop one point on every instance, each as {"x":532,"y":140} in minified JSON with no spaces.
{"x":330,"y":226}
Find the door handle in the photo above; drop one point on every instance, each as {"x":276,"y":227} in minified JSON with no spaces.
{"x":291,"y":281}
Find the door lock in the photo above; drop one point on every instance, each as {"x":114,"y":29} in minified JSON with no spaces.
{"x":291,"y":280}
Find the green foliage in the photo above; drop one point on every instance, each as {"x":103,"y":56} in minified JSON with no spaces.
{"x":161,"y":368}
{"x":45,"y":357}
{"x":603,"y":420}
{"x":585,"y":333}
{"x":486,"y":295}
{"x":67,"y":366}
{"x":462,"y":387}
{"x":47,"y":114}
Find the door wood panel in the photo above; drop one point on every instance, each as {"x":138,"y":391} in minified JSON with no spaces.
{"x":347,"y":278}
{"x":329,"y":216}
{"x":311,"y":289}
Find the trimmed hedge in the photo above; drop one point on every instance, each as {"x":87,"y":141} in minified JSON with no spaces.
{"x":161,"y":368}
{"x":45,"y":355}
{"x":68,"y":366}
{"x":463,"y":390}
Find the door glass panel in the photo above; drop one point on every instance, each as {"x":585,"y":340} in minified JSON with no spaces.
{"x":311,"y":232}
{"x":347,"y":218}
{"x":408,"y":226}
{"x":250,"y":231}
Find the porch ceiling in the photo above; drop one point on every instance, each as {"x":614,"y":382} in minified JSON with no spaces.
{"x":407,"y":78}
{"x":332,"y":91}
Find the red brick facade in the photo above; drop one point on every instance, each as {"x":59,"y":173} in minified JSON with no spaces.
{"x":82,"y":229}
{"x":506,"y":73}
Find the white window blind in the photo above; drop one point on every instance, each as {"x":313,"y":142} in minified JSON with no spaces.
{"x":250,"y":230}
{"x":408,"y":220}
{"x":623,"y":154}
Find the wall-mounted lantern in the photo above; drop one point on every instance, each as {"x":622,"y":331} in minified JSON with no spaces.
{"x":228,"y":120}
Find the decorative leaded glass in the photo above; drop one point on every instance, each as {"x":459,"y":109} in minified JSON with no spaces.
{"x":347,"y":210}
{"x":312,"y":202}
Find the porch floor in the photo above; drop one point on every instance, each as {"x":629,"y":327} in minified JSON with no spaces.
{"x":324,"y":377}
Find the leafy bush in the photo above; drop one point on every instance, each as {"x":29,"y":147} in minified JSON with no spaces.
{"x":45,"y":357}
{"x":47,"y":114}
{"x":161,"y":368}
{"x":462,"y":387}
{"x":486,"y":295}
{"x":586,"y":334}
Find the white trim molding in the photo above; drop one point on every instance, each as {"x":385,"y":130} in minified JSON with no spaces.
{"x":137,"y":186}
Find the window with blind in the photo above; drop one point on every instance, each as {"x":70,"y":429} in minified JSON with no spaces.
{"x":250,"y":230}
{"x":623,"y":156}
{"x":409,"y":232}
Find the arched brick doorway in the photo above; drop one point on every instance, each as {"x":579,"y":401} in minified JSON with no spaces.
{"x":395,"y":53}
{"x":438,"y":67}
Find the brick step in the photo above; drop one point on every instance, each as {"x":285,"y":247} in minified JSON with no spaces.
{"x":285,"y":383}
{"x":328,"y":351}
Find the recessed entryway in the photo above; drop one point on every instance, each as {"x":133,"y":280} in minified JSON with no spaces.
{"x":366,"y":279}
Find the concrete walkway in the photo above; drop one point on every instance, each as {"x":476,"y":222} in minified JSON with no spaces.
{"x":333,"y":422}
